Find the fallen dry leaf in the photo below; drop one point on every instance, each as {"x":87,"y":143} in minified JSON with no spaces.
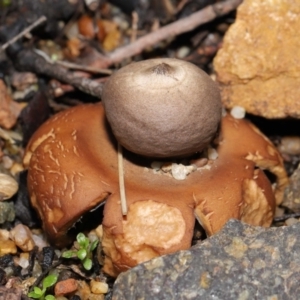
{"x":9,"y":109}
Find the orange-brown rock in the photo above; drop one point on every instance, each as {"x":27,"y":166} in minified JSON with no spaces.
{"x":258,"y":65}
{"x":65,"y":287}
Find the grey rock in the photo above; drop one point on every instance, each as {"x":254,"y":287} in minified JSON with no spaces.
{"x":7,"y":211}
{"x":240,"y":262}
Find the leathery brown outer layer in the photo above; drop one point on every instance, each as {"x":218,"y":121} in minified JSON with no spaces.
{"x":72,"y":167}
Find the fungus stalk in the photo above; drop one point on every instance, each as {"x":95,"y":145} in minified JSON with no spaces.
{"x":121,"y":181}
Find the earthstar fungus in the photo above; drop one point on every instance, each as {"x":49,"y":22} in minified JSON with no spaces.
{"x":162,"y":107}
{"x":73,"y":167}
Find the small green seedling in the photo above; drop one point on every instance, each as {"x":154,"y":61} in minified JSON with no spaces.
{"x":84,"y":253}
{"x":38,"y":293}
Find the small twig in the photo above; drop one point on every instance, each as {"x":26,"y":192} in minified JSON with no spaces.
{"x":70,"y":65}
{"x":28,"y":60}
{"x":178,"y":27}
{"x":24,"y":32}
{"x":134,"y":26}
{"x":83,"y":68}
{"x":121,"y":181}
{"x":285,"y":217}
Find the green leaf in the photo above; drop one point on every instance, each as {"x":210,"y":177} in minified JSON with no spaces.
{"x":69,"y":254}
{"x":87,"y":264}
{"x":82,"y":253}
{"x":49,"y":297}
{"x":86,"y":243}
{"x":94,"y":245}
{"x":81,"y":239}
{"x":37,"y":290}
{"x":49,"y":281}
{"x":34,"y":295}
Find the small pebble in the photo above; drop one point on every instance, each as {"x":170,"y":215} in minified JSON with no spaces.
{"x":84,"y":290}
{"x":6,"y":260}
{"x":4,"y":235}
{"x":22,"y":236}
{"x":291,"y":221}
{"x":99,"y":232}
{"x":65,"y":287}
{"x":8,"y":186}
{"x":39,"y":241}
{"x":7,"y":211}
{"x":98,"y":287}
{"x":23,"y":261}
{"x":72,"y":30}
{"x":48,"y":256}
{"x":179,"y":171}
{"x":9,"y":271}
{"x":92,"y":4}
{"x":122,"y":23}
{"x":7,"y":247}
{"x":156,"y":165}
{"x":212,"y":153}
{"x":238,"y":112}
{"x":7,"y":162}
{"x":279,"y":211}
{"x":183,"y":52}
{"x":290,"y":145}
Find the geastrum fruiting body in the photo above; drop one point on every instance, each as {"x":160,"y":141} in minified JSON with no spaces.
{"x":162,"y":107}
{"x":73,"y":167}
